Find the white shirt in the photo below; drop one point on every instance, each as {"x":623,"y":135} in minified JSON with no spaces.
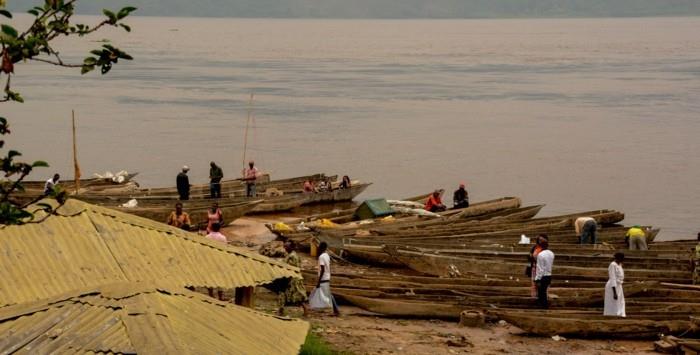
{"x":325,"y":261}
{"x":545,"y":259}
{"x":49,"y":185}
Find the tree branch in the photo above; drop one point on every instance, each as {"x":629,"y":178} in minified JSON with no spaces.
{"x":58,"y":63}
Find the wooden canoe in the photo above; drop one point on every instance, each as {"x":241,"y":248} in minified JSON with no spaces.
{"x":590,"y":326}
{"x":450,"y":266}
{"x":198,"y":215}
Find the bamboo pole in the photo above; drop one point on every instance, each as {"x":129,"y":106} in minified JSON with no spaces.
{"x":75,"y":158}
{"x":247,"y":124}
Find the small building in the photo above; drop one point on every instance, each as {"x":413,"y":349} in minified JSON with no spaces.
{"x":376,"y":208}
{"x":139,"y":318}
{"x":84,"y":245}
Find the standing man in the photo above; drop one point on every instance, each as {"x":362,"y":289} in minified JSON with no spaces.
{"x":461,"y":197}
{"x":543,"y":276}
{"x":183,"y":184}
{"x":636,"y":238}
{"x":321,"y":296}
{"x":586,"y":228}
{"x":250,"y":174}
{"x":51,"y":184}
{"x":215,"y":176}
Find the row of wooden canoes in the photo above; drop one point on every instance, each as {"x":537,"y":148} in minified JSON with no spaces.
{"x":421,"y":297}
{"x":473,"y":261}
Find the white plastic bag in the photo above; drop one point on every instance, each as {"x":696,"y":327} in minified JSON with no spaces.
{"x":131,"y":204}
{"x":524,"y":239}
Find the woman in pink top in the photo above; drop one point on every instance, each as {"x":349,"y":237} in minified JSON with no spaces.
{"x":214,"y":215}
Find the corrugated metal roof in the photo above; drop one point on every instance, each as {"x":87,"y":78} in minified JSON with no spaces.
{"x":88,"y":245}
{"x":137,"y":318}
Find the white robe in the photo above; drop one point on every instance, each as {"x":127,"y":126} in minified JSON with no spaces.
{"x":616,"y":276}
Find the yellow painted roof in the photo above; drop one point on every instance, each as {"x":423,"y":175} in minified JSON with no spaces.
{"x":136,"y":318}
{"x":88,"y":245}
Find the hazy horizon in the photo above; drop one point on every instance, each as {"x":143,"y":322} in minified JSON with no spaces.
{"x":391,"y":9}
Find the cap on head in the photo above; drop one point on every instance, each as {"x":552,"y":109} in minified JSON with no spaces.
{"x":185,"y":168}
{"x":636,"y":226}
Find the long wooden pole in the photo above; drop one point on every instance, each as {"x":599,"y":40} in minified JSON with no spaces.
{"x":247,"y":124}
{"x":75,"y":158}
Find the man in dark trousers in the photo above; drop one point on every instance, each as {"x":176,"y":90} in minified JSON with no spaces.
{"x":543,"y":276}
{"x":215,"y":176}
{"x":183,"y":184}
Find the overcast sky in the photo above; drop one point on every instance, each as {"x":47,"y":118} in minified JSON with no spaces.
{"x":392,"y":8}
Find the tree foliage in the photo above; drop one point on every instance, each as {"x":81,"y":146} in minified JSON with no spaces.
{"x":52,"y":20}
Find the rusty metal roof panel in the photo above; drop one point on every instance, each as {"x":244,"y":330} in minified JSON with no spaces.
{"x":87,"y":245}
{"x":147,"y":319}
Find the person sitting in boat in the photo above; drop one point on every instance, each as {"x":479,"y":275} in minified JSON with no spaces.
{"x":324,"y":186}
{"x":183,"y":184}
{"x":434,"y":203}
{"x":614,"y":296}
{"x":216,"y":234}
{"x":586,"y":228}
{"x":345,"y":184}
{"x":179,"y":218}
{"x":308,"y":186}
{"x":461,"y":197}
{"x":636,"y":238}
{"x":51,"y":184}
{"x":214,"y":215}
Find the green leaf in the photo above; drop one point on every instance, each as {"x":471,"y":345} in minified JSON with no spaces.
{"x":86,"y":69}
{"x":5,"y":13}
{"x":110,"y":15}
{"x":9,"y":30}
{"x":89,"y":61}
{"x":126,"y":27}
{"x":40,"y":164}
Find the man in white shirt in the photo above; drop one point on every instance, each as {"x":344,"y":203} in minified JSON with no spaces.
{"x":586,"y":228}
{"x":543,"y":276}
{"x":51,"y":183}
{"x":321,"y":297}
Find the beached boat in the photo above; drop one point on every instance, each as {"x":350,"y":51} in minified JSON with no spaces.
{"x":198,"y":215}
{"x":269,"y":204}
{"x":644,"y":326}
{"x":451,"y":266}
{"x":336,"y":195}
{"x":69,"y":185}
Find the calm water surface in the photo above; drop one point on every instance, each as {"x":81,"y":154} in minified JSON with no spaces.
{"x":579,"y":113}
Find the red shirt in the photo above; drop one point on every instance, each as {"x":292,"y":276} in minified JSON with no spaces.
{"x":433,"y":201}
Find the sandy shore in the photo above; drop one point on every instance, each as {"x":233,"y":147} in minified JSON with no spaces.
{"x":359,"y":332}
